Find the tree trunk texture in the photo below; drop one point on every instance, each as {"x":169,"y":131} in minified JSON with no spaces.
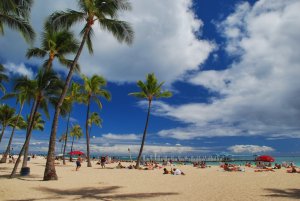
{"x":66,"y":140}
{"x":89,"y":164}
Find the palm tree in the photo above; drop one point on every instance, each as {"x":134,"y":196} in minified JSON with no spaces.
{"x":55,"y":44}
{"x":17,"y":122}
{"x":6,"y":117}
{"x":47,"y":86}
{"x":23,"y":92}
{"x":105,"y":13}
{"x":94,"y":119}
{"x":150,"y":90}
{"x":76,"y":131}
{"x":72,"y":96}
{"x":15,"y":15}
{"x":93,"y":89}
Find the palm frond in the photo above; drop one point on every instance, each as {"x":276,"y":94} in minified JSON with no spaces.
{"x":35,"y":52}
{"x":19,"y":24}
{"x":121,"y":30}
{"x":65,"y":19}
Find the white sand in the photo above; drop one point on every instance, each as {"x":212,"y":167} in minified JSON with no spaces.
{"x":123,"y":184}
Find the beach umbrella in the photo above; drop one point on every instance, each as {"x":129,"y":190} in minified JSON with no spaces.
{"x":76,"y":153}
{"x":265,"y":158}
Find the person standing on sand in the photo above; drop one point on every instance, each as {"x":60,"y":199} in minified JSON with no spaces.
{"x":78,"y":162}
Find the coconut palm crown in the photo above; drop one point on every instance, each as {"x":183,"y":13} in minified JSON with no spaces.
{"x":105,"y":12}
{"x":55,"y":44}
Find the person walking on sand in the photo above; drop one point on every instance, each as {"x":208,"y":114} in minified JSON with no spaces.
{"x":78,"y":162}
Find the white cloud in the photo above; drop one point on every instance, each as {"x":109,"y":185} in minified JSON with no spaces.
{"x":100,"y":146}
{"x":19,"y":69}
{"x":259,"y":93}
{"x":166,"y":37}
{"x":125,"y":137}
{"x":250,"y":149}
{"x":148,"y":149}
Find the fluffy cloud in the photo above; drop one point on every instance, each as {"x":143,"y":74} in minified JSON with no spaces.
{"x":250,"y":149}
{"x":126,"y":137}
{"x":259,"y":91}
{"x":19,"y":69}
{"x":163,"y":41}
{"x":148,"y":149}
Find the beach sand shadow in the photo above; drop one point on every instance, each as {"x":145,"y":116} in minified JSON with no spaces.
{"x":91,"y":193}
{"x":280,"y":193}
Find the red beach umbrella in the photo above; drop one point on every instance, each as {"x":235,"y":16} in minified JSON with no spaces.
{"x":265,"y":158}
{"x":76,"y":153}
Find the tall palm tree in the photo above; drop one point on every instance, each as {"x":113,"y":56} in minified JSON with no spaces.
{"x":48,"y":85}
{"x":93,"y":89}
{"x":23,"y":93}
{"x":55,"y":44}
{"x":105,"y":13}
{"x":150,"y":90}
{"x":76,"y":131}
{"x":15,"y":15}
{"x":94,"y":119}
{"x":72,"y":96}
{"x":3,"y":77}
{"x":6,"y":117}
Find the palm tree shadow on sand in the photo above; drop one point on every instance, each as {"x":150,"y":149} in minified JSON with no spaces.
{"x":91,"y":193}
{"x":280,"y":193}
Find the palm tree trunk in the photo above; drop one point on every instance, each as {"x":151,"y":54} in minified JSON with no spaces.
{"x":49,"y":64}
{"x":3,"y":129}
{"x":144,"y":137}
{"x":29,"y":131}
{"x":50,"y":172}
{"x":26,"y":143}
{"x":4,"y":157}
{"x":72,"y":149}
{"x":87,"y":133}
{"x":64,"y":161}
{"x":62,"y":146}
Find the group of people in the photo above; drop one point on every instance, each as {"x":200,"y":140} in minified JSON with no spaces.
{"x":232,"y":167}
{"x":201,"y":164}
{"x":174,"y":171}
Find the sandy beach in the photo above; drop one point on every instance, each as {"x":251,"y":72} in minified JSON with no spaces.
{"x":198,"y":184}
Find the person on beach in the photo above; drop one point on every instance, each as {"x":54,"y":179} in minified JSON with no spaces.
{"x":103,"y":161}
{"x":166,"y":171}
{"x":78,"y":162}
{"x":293,"y":170}
{"x":176,"y":171}
{"x":120,"y":166}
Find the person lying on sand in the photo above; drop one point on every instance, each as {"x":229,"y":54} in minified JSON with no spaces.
{"x":176,"y":171}
{"x":293,"y":170}
{"x":166,"y":171}
{"x":264,"y":170}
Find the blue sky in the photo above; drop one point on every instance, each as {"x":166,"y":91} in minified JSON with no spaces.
{"x":233,"y":67}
